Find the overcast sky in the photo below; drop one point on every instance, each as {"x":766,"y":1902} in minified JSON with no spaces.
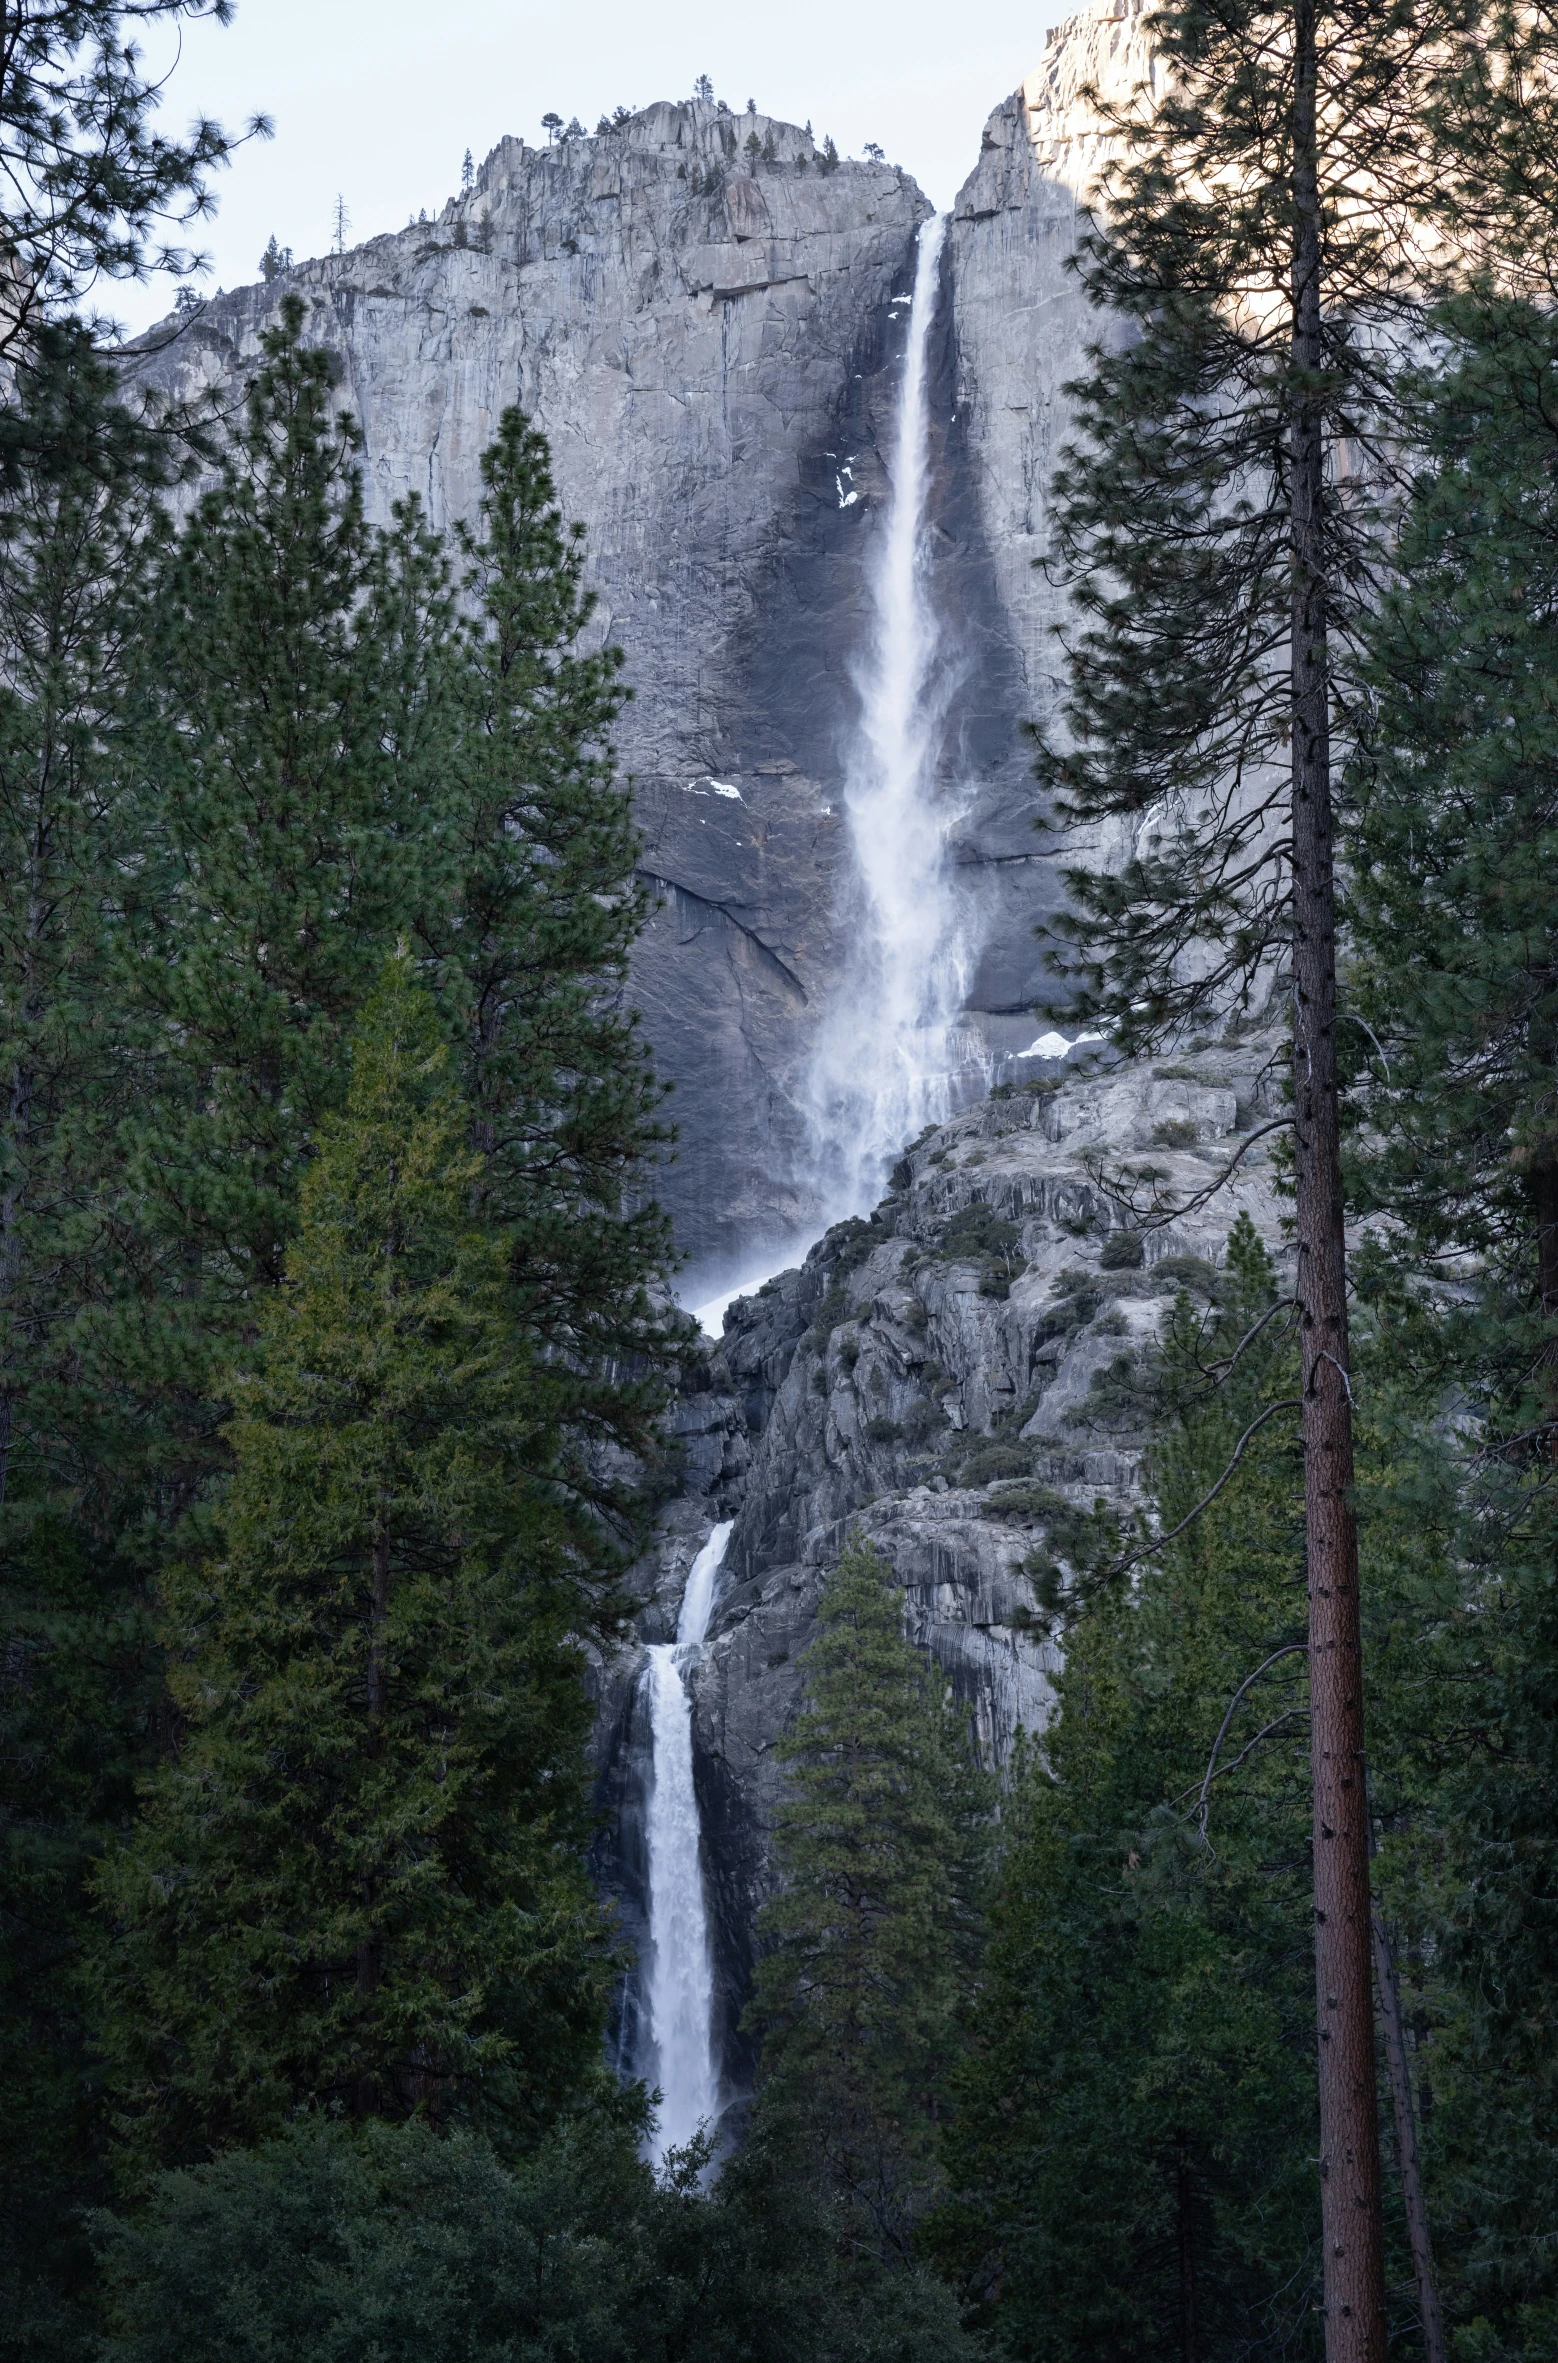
{"x":379,"y":99}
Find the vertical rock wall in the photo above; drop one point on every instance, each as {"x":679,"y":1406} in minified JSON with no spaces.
{"x":700,"y":318}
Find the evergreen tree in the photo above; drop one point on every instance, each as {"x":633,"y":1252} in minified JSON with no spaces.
{"x":360,"y":1886}
{"x":288,"y":827}
{"x":1451,"y":918}
{"x":79,"y":1678}
{"x":872,"y":1937}
{"x":387,"y":2240}
{"x":89,"y":181}
{"x":1223,"y":558}
{"x":534,"y":947}
{"x":1135,"y":2124}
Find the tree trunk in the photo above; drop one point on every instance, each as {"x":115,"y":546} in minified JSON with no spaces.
{"x":1350,"y":2186}
{"x":1406,"y":2143}
{"x":1189,"y":2341}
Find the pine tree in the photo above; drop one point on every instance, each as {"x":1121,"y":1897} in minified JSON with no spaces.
{"x":1455,"y":794}
{"x":1450,"y":913}
{"x":288,"y":827}
{"x":871,"y":1939}
{"x":79,"y":1679}
{"x":534,"y":948}
{"x":89,"y":181}
{"x":1223,"y":559}
{"x":1135,"y":2123}
{"x":360,"y":1887}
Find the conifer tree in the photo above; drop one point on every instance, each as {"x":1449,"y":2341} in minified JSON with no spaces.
{"x":1451,"y":923}
{"x":360,"y":1886}
{"x":1223,"y":558}
{"x":89,"y":182}
{"x":534,"y":947}
{"x":287,"y":826}
{"x":1135,"y":2119}
{"x":872,"y":1936}
{"x":79,"y":1675}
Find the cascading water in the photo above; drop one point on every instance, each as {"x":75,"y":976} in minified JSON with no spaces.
{"x":680,"y":1975}
{"x":888,"y":1056}
{"x":887,"y":1063}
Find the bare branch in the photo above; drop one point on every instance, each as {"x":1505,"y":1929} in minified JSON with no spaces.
{"x":1161,"y":1220}
{"x":1148,"y":1550}
{"x":1289,"y":1649}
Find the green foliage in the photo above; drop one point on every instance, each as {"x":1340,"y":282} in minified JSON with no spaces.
{"x":1122,"y":1251}
{"x":533,"y":948}
{"x":977,"y":1231}
{"x":1457,"y":976}
{"x":284,"y":807}
{"x":329,"y":2244}
{"x":1173,"y":525}
{"x":988,"y":1463}
{"x":1135,"y":2118}
{"x":89,"y":181}
{"x":871,"y":1939}
{"x":1456,"y":793}
{"x":359,"y":1886}
{"x":79,"y":1675}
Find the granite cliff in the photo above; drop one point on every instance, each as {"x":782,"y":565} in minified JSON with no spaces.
{"x":708,"y":322}
{"x":957,"y":1377}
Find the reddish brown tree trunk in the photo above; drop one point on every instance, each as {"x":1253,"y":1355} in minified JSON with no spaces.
{"x":1350,"y":2184}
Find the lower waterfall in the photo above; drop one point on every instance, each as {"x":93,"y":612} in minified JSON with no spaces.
{"x":679,"y":1985}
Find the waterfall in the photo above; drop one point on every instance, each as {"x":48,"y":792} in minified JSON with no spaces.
{"x":888,"y":1057}
{"x":680,"y":1972}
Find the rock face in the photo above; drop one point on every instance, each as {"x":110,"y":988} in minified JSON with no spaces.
{"x":708,"y":325}
{"x":958,"y":1378}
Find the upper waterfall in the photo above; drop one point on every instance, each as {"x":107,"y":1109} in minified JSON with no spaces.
{"x":888,"y":1051}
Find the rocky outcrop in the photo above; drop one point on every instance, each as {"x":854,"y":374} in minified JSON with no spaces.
{"x":961,"y":1378}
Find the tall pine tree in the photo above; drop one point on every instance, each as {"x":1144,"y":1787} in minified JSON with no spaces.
{"x":79,"y":1685}
{"x":1218,"y":521}
{"x":1135,"y":2123}
{"x":535,"y":947}
{"x":1451,"y":919}
{"x":360,"y":1886}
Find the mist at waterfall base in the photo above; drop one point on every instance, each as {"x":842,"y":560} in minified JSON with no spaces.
{"x":679,"y":1971}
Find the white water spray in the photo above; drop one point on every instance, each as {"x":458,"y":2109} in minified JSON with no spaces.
{"x":887,"y":1060}
{"x":680,"y":1982}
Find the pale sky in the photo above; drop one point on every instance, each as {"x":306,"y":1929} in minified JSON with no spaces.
{"x":379,"y":99}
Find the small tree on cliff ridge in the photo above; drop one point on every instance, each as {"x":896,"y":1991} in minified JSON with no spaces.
{"x":1220,"y":524}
